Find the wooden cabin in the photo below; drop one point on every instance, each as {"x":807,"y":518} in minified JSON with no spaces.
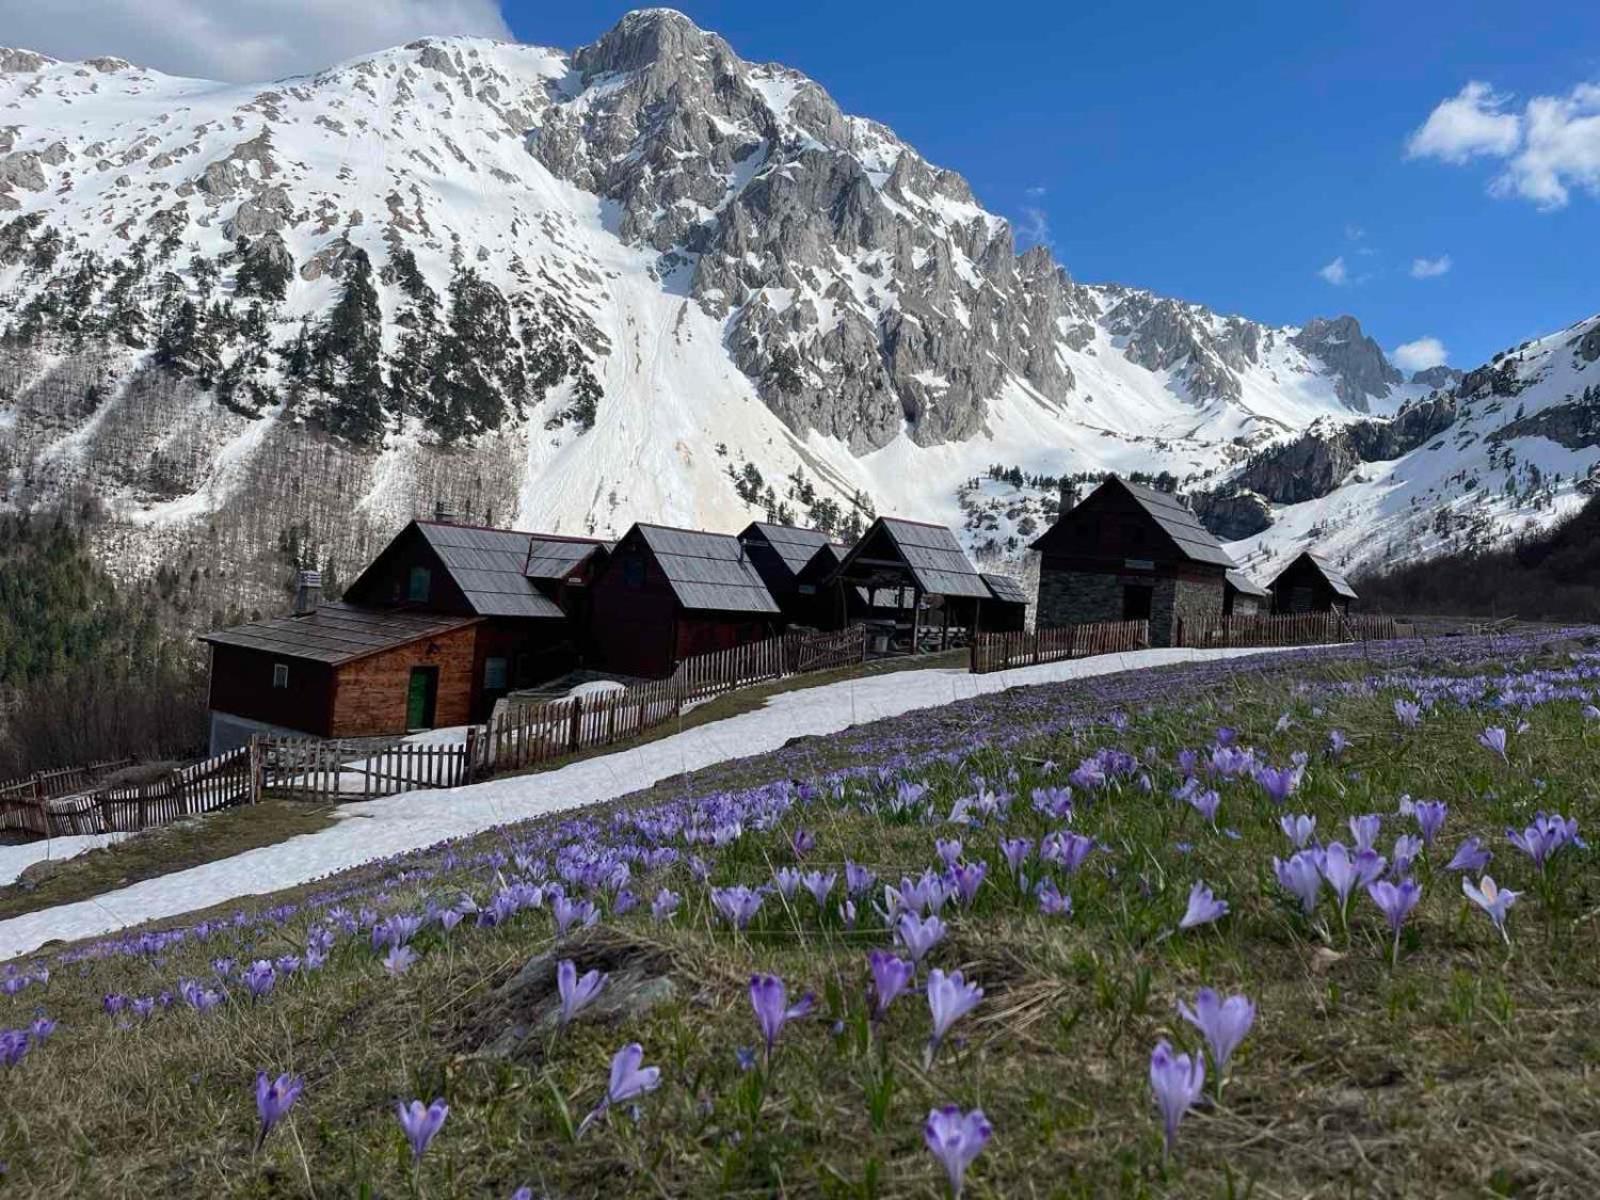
{"x":780,"y":555}
{"x":1130,"y":553}
{"x":1311,"y":584}
{"x":338,"y":671}
{"x":666,"y":594}
{"x":1243,"y":596}
{"x":1006,"y":610}
{"x":920,"y":569}
{"x":513,"y":604}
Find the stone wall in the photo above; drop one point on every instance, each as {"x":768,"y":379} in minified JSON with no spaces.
{"x":1196,"y":603}
{"x":1077,"y":597}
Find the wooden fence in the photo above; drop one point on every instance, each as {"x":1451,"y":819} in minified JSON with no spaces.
{"x":220,"y":782}
{"x":1001,"y":651}
{"x":1287,"y":629}
{"x":22,"y":801}
{"x":310,"y":768}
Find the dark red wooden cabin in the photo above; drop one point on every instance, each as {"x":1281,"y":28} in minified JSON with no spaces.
{"x":1311,"y":584}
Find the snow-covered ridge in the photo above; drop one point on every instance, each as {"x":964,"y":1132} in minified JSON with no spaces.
{"x":750,"y":277}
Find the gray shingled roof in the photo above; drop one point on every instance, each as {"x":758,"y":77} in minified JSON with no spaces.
{"x":488,"y":565}
{"x":708,"y":571}
{"x":1006,"y":589}
{"x":337,"y":633}
{"x":1246,"y":586}
{"x":937,"y":562}
{"x":1195,"y":541}
{"x":1333,"y":575}
{"x":556,"y":558}
{"x":794,"y":545}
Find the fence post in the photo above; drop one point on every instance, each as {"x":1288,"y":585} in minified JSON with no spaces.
{"x":575,"y":731}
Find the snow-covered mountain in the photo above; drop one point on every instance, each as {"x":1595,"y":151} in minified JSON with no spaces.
{"x":646,"y":279}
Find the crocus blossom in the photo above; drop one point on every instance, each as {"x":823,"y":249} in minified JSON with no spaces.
{"x":1396,"y":900}
{"x":1430,"y":815}
{"x":919,"y":935}
{"x":1223,"y":1023}
{"x":1301,"y":877}
{"x":1470,"y":856}
{"x":769,"y":996}
{"x":1176,"y":1080}
{"x":274,"y":1098}
{"x":1493,"y":899}
{"x":421,"y":1124}
{"x":950,"y":997}
{"x":1365,"y":829}
{"x":1298,"y":828}
{"x":955,"y":1139}
{"x":665,"y":905}
{"x":576,"y":991}
{"x":890,"y":977}
{"x":1408,"y":713}
{"x":629,"y":1079}
{"x":1203,"y":907}
{"x":1493,"y":739}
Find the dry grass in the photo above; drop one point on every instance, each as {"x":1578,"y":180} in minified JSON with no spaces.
{"x":1468,"y":1069}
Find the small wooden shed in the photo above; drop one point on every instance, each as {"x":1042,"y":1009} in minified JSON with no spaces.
{"x":780,"y":555}
{"x":1006,"y":611}
{"x":667,"y":594}
{"x":1243,"y":596}
{"x":1311,"y":584}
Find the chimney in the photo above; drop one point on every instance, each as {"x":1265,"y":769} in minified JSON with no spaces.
{"x":1069,"y":498}
{"x":307,"y":593}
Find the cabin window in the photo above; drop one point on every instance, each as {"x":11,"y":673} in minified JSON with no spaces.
{"x":280,"y":675}
{"x":421,"y":584}
{"x":633,"y":572}
{"x":494,"y":675}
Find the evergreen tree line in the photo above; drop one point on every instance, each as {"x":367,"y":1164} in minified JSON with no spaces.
{"x":87,"y":672}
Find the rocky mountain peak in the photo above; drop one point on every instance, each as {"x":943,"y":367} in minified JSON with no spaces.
{"x":1359,"y":369}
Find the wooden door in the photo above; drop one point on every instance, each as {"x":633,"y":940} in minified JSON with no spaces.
{"x":422,"y":697}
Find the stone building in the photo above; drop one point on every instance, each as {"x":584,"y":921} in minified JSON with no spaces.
{"x":1130,"y":553}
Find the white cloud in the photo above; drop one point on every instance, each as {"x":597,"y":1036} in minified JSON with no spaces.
{"x":1551,"y":147}
{"x":1421,"y":354}
{"x":242,"y":40}
{"x":1429,"y":268}
{"x":1036,"y":190}
{"x":1035,"y":228}
{"x":1470,"y":123}
{"x":1335,"y":272}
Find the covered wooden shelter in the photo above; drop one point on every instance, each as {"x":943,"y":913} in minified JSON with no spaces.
{"x":914,"y":582}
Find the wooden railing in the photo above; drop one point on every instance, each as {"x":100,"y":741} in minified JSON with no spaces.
{"x":1286,"y":629}
{"x":22,"y":800}
{"x":1001,"y":651}
{"x":310,"y":768}
{"x":220,"y":782}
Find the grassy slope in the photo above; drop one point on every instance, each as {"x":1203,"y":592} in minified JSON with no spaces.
{"x":162,"y":851}
{"x":1466,"y":1069}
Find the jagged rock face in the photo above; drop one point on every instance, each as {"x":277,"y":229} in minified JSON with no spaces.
{"x":1361,"y":373}
{"x":1575,"y":426}
{"x":1438,"y":377}
{"x":1207,"y":352}
{"x":1233,"y":516}
{"x":1588,"y":346}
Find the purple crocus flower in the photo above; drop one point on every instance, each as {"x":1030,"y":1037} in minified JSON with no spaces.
{"x":787,"y":880}
{"x":1301,"y":877}
{"x":919,"y":935}
{"x":399,"y":960}
{"x":1203,"y":907}
{"x":629,"y":1080}
{"x":1396,"y":901}
{"x":1544,"y":837}
{"x":1016,"y":851}
{"x":143,"y":1006}
{"x":968,"y":879}
{"x":1176,"y":1080}
{"x":1493,"y":739}
{"x":14,"y":1045}
{"x":274,"y":1098}
{"x":1204,"y":801}
{"x":820,"y":885}
{"x":890,"y":977}
{"x":421,"y":1124}
{"x":1278,"y":783}
{"x":1471,"y":857}
{"x":1337,"y":743}
{"x":1493,"y":899}
{"x":1344,"y":871}
{"x":950,"y":997}
{"x":1430,"y":815}
{"x":949,"y":851}
{"x":1408,"y":713}
{"x":955,"y":1139}
{"x":802,"y":843}
{"x":664,"y":905}
{"x":1406,"y":849}
{"x":858,"y":880}
{"x":41,"y":1029}
{"x":576,"y":992}
{"x":1365,"y":829}
{"x":1052,"y":902}
{"x":1223,"y":1023}
{"x":1053,"y":802}
{"x":769,"y":996}
{"x":259,"y":978}
{"x":737,"y":905}
{"x":570,"y":912}
{"x":1066,"y":850}
{"x":1298,"y":828}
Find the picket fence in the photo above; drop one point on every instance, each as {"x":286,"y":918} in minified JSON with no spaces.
{"x":1002,"y":651}
{"x":311,"y":768}
{"x":1285,"y":629}
{"x":57,"y":808}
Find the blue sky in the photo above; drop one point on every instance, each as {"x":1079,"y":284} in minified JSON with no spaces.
{"x":1228,"y":157}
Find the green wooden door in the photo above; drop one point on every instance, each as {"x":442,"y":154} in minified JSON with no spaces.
{"x":421,"y":694}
